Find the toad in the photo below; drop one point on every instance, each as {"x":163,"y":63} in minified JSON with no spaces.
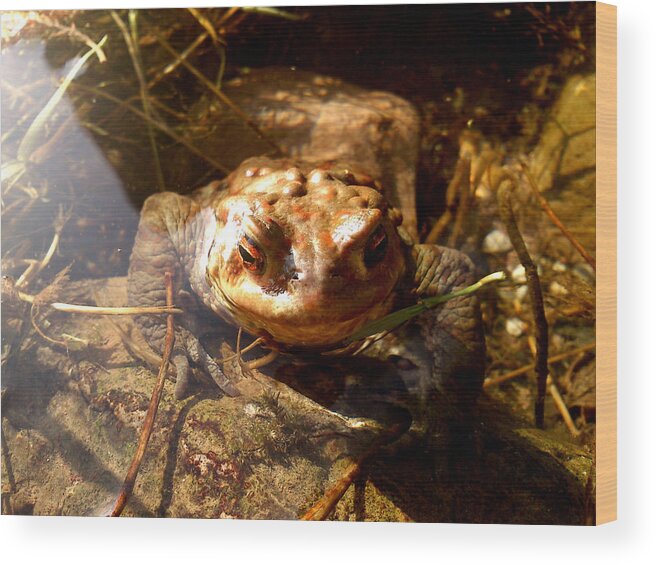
{"x":307,"y":249}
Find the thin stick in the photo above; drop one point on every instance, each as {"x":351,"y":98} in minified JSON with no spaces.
{"x":322,"y":509}
{"x":556,"y":220}
{"x":489,"y":382}
{"x":451,"y":193}
{"x":132,"y":42}
{"x":557,"y":398}
{"x":537,"y":302}
{"x":119,"y":311}
{"x":159,"y":125}
{"x":175,"y":64}
{"x":439,"y":227}
{"x":35,"y":268}
{"x":463,"y":202}
{"x":149,"y":421}
{"x":562,"y":408}
{"x":74,"y":32}
{"x":326,"y":504}
{"x":221,"y":96}
{"x":37,"y":329}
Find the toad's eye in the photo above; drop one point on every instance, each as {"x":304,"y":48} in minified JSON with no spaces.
{"x":374,"y":252}
{"x":251,"y":255}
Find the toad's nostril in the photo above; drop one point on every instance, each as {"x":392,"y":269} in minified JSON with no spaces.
{"x":295,"y":276}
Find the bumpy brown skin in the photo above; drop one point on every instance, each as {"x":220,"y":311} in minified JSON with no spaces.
{"x":305,"y":251}
{"x":303,"y":255}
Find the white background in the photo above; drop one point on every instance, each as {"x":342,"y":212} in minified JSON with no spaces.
{"x":629,"y":540}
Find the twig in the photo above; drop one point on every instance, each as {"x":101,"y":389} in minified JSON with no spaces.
{"x":177,"y":62}
{"x":489,"y":382}
{"x":556,"y":221}
{"x":37,"y":329}
{"x":461,"y":172}
{"x":72,"y":31}
{"x":562,"y":408}
{"x":557,"y":398}
{"x":221,"y":96}
{"x":463,"y":202}
{"x":322,"y":508}
{"x":43,"y":152}
{"x":163,"y":127}
{"x":35,"y":268}
{"x":96,"y":310}
{"x":206,"y":24}
{"x":439,"y":227}
{"x":149,"y":421}
{"x":109,"y":311}
{"x":227,"y":15}
{"x":537,"y":302}
{"x":132,"y":42}
{"x":326,"y":504}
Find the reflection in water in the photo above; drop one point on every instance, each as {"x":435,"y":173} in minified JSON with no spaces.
{"x":67,"y":171}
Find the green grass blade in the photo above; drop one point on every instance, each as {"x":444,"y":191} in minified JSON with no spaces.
{"x":395,"y":319}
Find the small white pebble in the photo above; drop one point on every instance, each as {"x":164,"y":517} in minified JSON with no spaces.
{"x":515,"y":327}
{"x":559,"y":267}
{"x":521,"y":292}
{"x":519,"y":274}
{"x":496,"y":242}
{"x":557,"y":289}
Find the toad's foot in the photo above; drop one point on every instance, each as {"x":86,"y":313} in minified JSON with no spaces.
{"x":190,"y":349}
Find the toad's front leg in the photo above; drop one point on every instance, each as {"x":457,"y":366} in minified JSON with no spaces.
{"x":453,"y":331}
{"x":170,"y":235}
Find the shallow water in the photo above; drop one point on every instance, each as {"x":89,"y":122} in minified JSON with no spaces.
{"x":74,"y":396}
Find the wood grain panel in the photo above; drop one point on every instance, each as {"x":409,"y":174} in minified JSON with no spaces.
{"x":606,"y":495}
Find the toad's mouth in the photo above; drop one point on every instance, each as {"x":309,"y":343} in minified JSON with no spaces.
{"x":321,"y":328}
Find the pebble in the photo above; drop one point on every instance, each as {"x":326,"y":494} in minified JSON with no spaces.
{"x":496,"y":242}
{"x":559,"y":267}
{"x":515,"y":327}
{"x":521,"y":292}
{"x":519,"y":274}
{"x":558,"y":289}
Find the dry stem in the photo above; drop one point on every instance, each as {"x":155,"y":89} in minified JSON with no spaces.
{"x":556,"y":220}
{"x":557,"y":398}
{"x":159,"y":125}
{"x":326,"y":504}
{"x":489,"y":382}
{"x":537,"y":302}
{"x":132,"y":43}
{"x":460,"y":175}
{"x":118,"y":311}
{"x":463,"y":202}
{"x":146,"y":430}
{"x":220,"y":95}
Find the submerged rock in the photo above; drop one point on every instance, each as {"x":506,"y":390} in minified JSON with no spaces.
{"x":71,"y":420}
